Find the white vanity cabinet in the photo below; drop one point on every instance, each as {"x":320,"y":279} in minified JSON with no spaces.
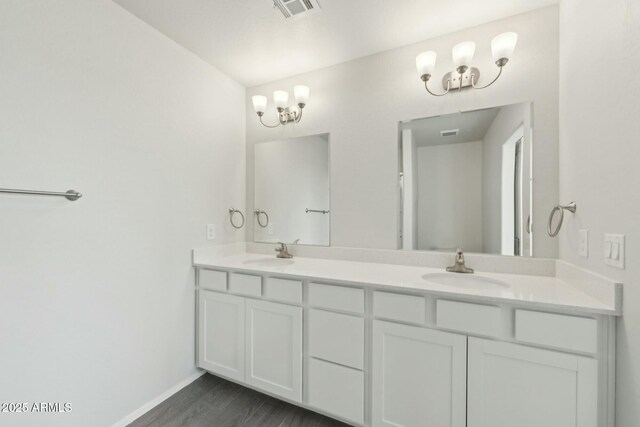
{"x":419,"y":376}
{"x":274,"y":348}
{"x":251,"y":341}
{"x":514,"y":385}
{"x":221,"y":329}
{"x":374,"y":356}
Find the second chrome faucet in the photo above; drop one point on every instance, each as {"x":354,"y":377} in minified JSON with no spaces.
{"x":458,"y":266}
{"x":283,"y":251}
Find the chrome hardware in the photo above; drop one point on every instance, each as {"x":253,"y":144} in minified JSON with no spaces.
{"x":71,"y":195}
{"x":259,"y":212}
{"x":571,"y":207}
{"x":458,"y":266}
{"x":307,"y":210}
{"x":283,"y":251}
{"x":232,"y":212}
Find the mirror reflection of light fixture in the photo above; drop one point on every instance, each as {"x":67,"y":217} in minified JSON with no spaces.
{"x":286,"y":114}
{"x":465,"y":75}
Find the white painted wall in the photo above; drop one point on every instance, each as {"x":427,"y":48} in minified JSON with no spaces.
{"x":290,"y":176}
{"x":96,"y":296}
{"x":361,"y":102}
{"x":599,"y":154}
{"x":502,"y":128}
{"x":450,"y":197}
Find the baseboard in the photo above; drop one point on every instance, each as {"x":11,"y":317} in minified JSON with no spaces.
{"x":157,"y":400}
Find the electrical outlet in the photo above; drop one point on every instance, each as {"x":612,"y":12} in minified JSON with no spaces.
{"x":614,"y":250}
{"x":211,"y":231}
{"x":583,"y":248}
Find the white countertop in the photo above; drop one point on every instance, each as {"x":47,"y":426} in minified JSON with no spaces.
{"x":523,"y":290}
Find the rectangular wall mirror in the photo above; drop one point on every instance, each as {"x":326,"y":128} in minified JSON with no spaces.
{"x":291,"y":191}
{"x":465,"y":181}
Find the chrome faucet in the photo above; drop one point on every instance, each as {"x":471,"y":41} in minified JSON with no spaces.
{"x":283,"y":251}
{"x":458,"y":266}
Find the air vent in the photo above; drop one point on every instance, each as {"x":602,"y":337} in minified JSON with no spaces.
{"x":294,"y":9}
{"x":450,"y":132}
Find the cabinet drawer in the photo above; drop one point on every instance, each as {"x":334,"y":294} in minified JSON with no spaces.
{"x":337,"y":338}
{"x":245,"y":284}
{"x":557,"y":330}
{"x":470,"y":318}
{"x":405,"y":308}
{"x":283,"y":289}
{"x":210,"y":279}
{"x":337,"y":390}
{"x":337,"y":297}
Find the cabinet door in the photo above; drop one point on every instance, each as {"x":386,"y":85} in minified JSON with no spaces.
{"x":419,"y":377}
{"x":221,"y":340}
{"x":513,"y":385}
{"x":274,"y":348}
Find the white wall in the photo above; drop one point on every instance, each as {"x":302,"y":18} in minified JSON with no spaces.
{"x":410,"y":193}
{"x":292,"y":175}
{"x":361,"y":102}
{"x":96,"y":296}
{"x":599,"y":155}
{"x":450,"y":197}
{"x":507,"y":121}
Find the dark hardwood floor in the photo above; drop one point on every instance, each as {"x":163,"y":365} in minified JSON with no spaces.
{"x":211,"y":401}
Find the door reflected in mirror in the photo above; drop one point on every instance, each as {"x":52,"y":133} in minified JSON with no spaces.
{"x":291,"y":200}
{"x":465,"y":182}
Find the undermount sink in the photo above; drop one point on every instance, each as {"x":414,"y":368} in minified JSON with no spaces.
{"x":470,"y":281}
{"x":268,"y":262}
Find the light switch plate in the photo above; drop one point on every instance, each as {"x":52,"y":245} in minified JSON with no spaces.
{"x":211,"y":231}
{"x":614,"y":250}
{"x":583,"y":248}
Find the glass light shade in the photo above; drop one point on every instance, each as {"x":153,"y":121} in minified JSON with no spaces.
{"x":502,"y":45}
{"x":426,"y":63}
{"x":301,"y":93}
{"x":259,"y":103}
{"x":463,"y":53}
{"x":281,"y":98}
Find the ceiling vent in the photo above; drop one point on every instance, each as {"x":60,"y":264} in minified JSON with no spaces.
{"x":291,"y":10}
{"x":451,"y":132}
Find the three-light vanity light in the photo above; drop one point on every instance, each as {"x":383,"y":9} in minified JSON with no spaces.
{"x":465,"y":75}
{"x":286,"y":114}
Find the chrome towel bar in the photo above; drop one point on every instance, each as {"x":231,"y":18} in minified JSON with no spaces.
{"x":71,"y":195}
{"x":307,"y":210}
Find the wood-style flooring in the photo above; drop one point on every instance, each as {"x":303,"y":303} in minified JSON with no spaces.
{"x":211,"y":401}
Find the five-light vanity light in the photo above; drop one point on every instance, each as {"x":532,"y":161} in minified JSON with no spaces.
{"x":286,"y":114}
{"x":465,"y":75}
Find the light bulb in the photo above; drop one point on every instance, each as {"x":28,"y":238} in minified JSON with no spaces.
{"x":463,"y":54}
{"x":281,"y":99}
{"x":259,"y":103}
{"x":301,"y":93}
{"x":426,"y":63}
{"x":502,"y":47}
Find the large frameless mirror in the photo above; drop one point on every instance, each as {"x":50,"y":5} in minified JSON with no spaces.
{"x":291,"y":191}
{"x":465,"y":181}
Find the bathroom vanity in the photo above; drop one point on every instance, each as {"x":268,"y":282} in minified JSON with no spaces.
{"x":391,"y":345}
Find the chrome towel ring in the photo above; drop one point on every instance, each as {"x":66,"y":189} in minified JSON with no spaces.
{"x":571,"y":207}
{"x":232,"y":212}
{"x":259,"y":212}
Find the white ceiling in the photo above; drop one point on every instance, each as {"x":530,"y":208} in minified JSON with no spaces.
{"x":472,"y":125}
{"x":249,"y":40}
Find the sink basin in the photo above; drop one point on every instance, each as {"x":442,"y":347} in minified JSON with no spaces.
{"x":470,"y":281}
{"x":268,"y":262}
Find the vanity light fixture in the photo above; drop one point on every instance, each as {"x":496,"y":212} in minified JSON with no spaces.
{"x":465,"y":75}
{"x":286,"y":114}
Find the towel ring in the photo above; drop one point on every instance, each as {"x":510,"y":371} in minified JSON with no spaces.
{"x":571,"y":207}
{"x":232,"y":212}
{"x":259,"y":212}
